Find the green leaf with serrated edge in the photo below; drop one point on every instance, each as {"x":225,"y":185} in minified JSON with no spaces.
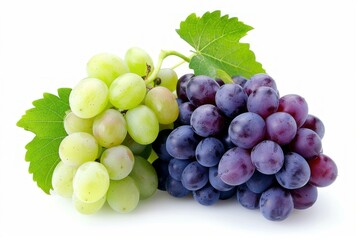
{"x":45,"y":120}
{"x":215,"y":39}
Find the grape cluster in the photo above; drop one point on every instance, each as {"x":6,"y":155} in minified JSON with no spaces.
{"x":243,"y":139}
{"x":114,"y":118}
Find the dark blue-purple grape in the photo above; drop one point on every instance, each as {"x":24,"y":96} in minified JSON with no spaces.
{"x":159,"y":145}
{"x":231,"y":100}
{"x":209,"y":151}
{"x":263,"y":101}
{"x":181,"y":86}
{"x":175,"y":188}
{"x":247,"y":198}
{"x":201,"y":90}
{"x":247,"y":130}
{"x":207,"y":120}
{"x":304,"y":197}
{"x":276,"y":204}
{"x":314,"y":123}
{"x":296,"y":106}
{"x":259,"y":182}
{"x":216,"y":181}
{"x":235,"y":166}
{"x":281,"y":127}
{"x":225,"y":195}
{"x":268,"y":157}
{"x":162,"y":172}
{"x":239,"y":80}
{"x":295,"y":172}
{"x":181,"y":142}
{"x":207,"y":195}
{"x":177,"y":166}
{"x":306,"y":143}
{"x":185,"y":111}
{"x":194,"y":176}
{"x":323,"y":170}
{"x":225,"y":139}
{"x":258,"y":80}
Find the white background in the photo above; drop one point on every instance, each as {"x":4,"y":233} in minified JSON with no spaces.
{"x":308,"y":47}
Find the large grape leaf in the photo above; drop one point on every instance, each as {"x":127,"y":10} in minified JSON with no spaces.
{"x":215,"y":39}
{"x":45,"y":120}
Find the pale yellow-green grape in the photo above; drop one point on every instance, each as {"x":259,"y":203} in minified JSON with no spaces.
{"x":166,"y":126}
{"x":106,"y":67}
{"x":153,"y":156}
{"x":88,"y":208}
{"x":91,"y":182}
{"x":168,"y":78}
{"x":163,"y":103}
{"x":89,"y":98}
{"x":73,"y":123}
{"x":139,"y":61}
{"x":127,"y":91}
{"x":109,"y":128}
{"x":136,"y":148}
{"x":145,"y":177}
{"x":142,"y":124}
{"x":78,"y":148}
{"x":119,"y":161}
{"x":62,"y":179}
{"x":123,"y":195}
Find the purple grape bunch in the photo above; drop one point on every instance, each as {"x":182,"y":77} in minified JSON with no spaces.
{"x":242,"y":139}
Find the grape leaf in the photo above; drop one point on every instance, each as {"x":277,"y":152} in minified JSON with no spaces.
{"x":45,"y":120}
{"x":215,"y":39}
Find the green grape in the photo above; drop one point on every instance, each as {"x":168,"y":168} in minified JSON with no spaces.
{"x":89,"y":98}
{"x":166,"y":126}
{"x":78,"y":148}
{"x":167,"y":78}
{"x":106,"y":67}
{"x":88,"y":208}
{"x":109,"y":128}
{"x":119,"y":161}
{"x":142,"y":124}
{"x":153,"y":156}
{"x":145,"y":177}
{"x":62,"y":179}
{"x":127,"y":91}
{"x":136,"y":148}
{"x":163,"y":103}
{"x":91,"y":182}
{"x":123,"y":195}
{"x":73,"y":123}
{"x":139,"y":61}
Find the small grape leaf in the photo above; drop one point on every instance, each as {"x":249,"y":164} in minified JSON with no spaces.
{"x":215,"y":39}
{"x":45,"y":120}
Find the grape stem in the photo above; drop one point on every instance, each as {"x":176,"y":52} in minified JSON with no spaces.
{"x":164,"y":54}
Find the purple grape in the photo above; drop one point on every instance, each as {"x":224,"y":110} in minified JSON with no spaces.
{"x":231,"y":100}
{"x":219,"y":81}
{"x":263,"y":101}
{"x":258,"y":80}
{"x":281,"y":127}
{"x":276,"y":204}
{"x":185,"y":111}
{"x":177,"y":166}
{"x":246,"y":130}
{"x":159,"y":145}
{"x":225,"y":195}
{"x":161,"y":168}
{"x":175,"y":188}
{"x":194,"y":176}
{"x":268,"y":157}
{"x":201,"y":90}
{"x":247,"y":198}
{"x":181,"y":142}
{"x":207,"y":120}
{"x":235,"y":166}
{"x":259,"y":182}
{"x":216,"y":181}
{"x":295,"y":172}
{"x":209,"y":151}
{"x":239,"y":80}
{"x":225,"y":139}
{"x":296,"y":106}
{"x":323,"y":171}
{"x":207,"y":195}
{"x":306,"y":143}
{"x":181,"y":86}
{"x":304,"y":197}
{"x":314,"y":123}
